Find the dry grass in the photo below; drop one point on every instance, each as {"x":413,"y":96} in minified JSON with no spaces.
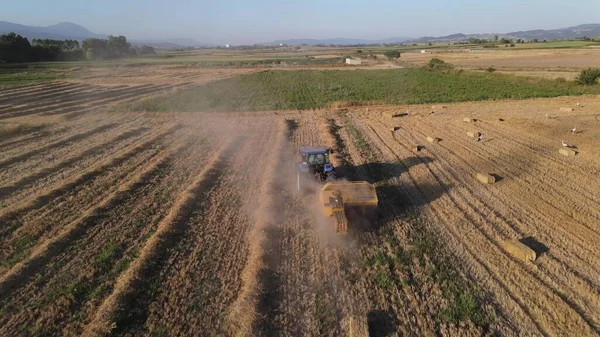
{"x":15,"y":129}
{"x":243,"y":313}
{"x":121,"y":224}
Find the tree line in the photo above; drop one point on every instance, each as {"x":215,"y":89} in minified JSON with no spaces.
{"x":16,"y":48}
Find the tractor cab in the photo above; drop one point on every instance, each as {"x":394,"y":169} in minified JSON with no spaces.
{"x":314,"y":161}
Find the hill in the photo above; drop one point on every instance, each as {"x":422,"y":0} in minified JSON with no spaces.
{"x":336,"y":41}
{"x":59,"y":31}
{"x":586,"y":30}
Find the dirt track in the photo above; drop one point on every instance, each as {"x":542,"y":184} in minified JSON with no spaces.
{"x":138,"y":224}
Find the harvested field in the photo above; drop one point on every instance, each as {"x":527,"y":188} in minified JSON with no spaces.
{"x":545,"y":63}
{"x":168,"y":224}
{"x":547,"y":59}
{"x":166,"y":74}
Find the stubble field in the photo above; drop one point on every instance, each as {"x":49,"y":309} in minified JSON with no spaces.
{"x":165,"y":224}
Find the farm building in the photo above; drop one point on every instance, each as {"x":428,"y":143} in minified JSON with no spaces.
{"x":353,"y":61}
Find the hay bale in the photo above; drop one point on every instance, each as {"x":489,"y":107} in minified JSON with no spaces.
{"x":485,"y":178}
{"x":433,"y":139}
{"x":355,"y":326}
{"x":567,"y":152}
{"x":468,"y":119}
{"x":519,"y":250}
{"x":417,"y":148}
{"x":395,"y":128}
{"x":473,"y":134}
{"x":566,"y":109}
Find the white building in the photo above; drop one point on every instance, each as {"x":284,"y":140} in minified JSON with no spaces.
{"x":227,"y":46}
{"x":353,"y":61}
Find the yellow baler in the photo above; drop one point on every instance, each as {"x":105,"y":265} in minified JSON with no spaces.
{"x":337,"y":197}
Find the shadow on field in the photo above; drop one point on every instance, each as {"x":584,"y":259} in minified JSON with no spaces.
{"x":270,"y":281}
{"x":399,"y":203}
{"x":379,"y":172}
{"x":292,"y":125}
{"x":497,"y":177}
{"x":538,"y":247}
{"x":396,"y":201}
{"x":381,"y":323}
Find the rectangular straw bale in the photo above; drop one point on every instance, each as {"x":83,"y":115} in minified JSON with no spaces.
{"x":567,"y":152}
{"x":519,"y":250}
{"x":485,"y":178}
{"x":473,"y":134}
{"x":355,"y":326}
{"x":468,"y":119}
{"x":566,"y":109}
{"x":433,"y":139}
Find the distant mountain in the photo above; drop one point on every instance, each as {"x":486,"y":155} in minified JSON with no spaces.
{"x":60,"y":31}
{"x":171,"y":43}
{"x":335,"y":41}
{"x":70,"y":29}
{"x":587,"y":30}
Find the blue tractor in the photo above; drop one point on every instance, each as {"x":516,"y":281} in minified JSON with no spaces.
{"x":315,"y":163}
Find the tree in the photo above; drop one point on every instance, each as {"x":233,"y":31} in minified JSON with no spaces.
{"x":114,"y":47}
{"x":392,"y":54}
{"x":588,"y":76}
{"x":94,"y":49}
{"x":495,"y":38}
{"x":117,"y":46}
{"x":473,"y":40}
{"x":15,"y":48}
{"x":145,"y":50}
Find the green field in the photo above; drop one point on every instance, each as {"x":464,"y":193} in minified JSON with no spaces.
{"x":307,"y":89}
{"x":12,"y":78}
{"x":557,"y":44}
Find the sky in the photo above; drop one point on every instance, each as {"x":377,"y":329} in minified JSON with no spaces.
{"x":259,"y":21}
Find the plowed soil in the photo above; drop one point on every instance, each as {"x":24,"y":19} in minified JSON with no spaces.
{"x":137,"y":224}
